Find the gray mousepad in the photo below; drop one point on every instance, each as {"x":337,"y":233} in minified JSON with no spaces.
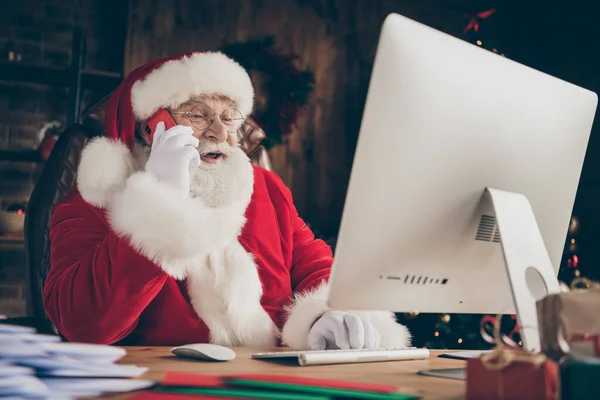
{"x":450,"y":373}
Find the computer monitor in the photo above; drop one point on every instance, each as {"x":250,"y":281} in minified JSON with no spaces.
{"x":463,"y":181}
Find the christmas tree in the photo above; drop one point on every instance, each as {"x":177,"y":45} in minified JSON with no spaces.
{"x":569,"y":268}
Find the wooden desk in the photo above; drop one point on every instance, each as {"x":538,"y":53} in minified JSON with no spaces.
{"x":400,"y":373}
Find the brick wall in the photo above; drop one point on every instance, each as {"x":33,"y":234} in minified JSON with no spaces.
{"x":40,"y":33}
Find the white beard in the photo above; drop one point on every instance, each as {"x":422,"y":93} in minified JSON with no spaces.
{"x":224,"y":185}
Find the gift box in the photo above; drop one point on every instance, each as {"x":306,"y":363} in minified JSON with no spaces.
{"x":509,"y":374}
{"x":579,"y":380}
{"x":569,"y":322}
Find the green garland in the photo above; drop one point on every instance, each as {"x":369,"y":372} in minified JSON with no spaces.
{"x":288,"y":87}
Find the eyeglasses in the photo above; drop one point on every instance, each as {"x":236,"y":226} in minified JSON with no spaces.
{"x":202,"y":117}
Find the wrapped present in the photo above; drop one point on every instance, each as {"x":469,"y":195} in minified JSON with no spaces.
{"x":512,"y":374}
{"x":569,"y":321}
{"x":579,"y":379}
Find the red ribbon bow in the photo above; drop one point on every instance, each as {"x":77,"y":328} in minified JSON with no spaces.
{"x":474,"y":21}
{"x":489,"y":322}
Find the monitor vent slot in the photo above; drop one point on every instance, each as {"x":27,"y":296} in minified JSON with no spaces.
{"x":411,"y":279}
{"x":488,"y":230}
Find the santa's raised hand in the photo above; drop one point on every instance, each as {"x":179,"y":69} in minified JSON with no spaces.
{"x":173,"y":151}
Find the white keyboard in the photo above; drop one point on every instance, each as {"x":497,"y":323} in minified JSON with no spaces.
{"x":320,"y":357}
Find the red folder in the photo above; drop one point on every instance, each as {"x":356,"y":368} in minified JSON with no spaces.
{"x":186,"y":379}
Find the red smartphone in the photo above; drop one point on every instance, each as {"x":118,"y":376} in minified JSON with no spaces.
{"x":161,"y":115}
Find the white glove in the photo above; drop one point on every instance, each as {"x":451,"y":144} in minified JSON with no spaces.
{"x":340,"y":330}
{"x":173,"y":151}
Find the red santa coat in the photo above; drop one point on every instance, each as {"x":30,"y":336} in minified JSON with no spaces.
{"x":124,"y":250}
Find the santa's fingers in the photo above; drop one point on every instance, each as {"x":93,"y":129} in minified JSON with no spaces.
{"x":340,"y":334}
{"x":316,"y":341}
{"x":190,"y":156}
{"x":156,"y":138}
{"x":356,"y":331}
{"x":371,"y":336}
{"x":180,"y":140}
{"x":178,"y":130}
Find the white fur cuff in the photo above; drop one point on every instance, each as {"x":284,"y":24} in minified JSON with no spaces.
{"x":104,"y":167}
{"x":302,"y":314}
{"x":166,"y":228}
{"x":308,"y":307}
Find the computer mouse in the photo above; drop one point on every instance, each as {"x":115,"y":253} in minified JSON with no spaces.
{"x":204,"y":352}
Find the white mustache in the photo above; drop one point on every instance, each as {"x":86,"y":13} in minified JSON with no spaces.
{"x":209,"y":146}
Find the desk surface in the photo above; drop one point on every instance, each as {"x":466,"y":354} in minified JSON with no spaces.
{"x":400,"y":373}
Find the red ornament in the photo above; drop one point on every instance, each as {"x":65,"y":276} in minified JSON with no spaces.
{"x":476,"y":18}
{"x":573,"y":262}
{"x":487,"y":327}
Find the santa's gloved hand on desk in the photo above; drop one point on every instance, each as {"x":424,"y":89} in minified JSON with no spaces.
{"x":341,"y":330}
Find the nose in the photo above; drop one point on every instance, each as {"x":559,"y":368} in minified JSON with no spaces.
{"x":216,"y":131}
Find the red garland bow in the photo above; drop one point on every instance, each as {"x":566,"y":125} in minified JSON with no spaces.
{"x":474,"y":21}
{"x":489,"y":322}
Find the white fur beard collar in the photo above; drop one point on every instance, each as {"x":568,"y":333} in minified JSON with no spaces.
{"x":185,"y":237}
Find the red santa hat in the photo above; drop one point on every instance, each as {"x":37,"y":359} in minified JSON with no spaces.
{"x":169,"y":82}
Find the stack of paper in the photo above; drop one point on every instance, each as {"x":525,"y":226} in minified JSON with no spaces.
{"x":35,"y":366}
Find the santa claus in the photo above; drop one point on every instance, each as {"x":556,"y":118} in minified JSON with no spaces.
{"x":183,"y":240}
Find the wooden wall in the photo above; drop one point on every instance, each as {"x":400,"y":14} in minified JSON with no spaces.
{"x":335,"y":39}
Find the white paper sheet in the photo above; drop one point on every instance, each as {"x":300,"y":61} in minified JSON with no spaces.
{"x":8,"y":328}
{"x":110,"y":372}
{"x":96,"y":385}
{"x":11,"y":351}
{"x":83,"y":351}
{"x":62,"y":362}
{"x":14,"y":370}
{"x":22,"y":386}
{"x":28,"y":338}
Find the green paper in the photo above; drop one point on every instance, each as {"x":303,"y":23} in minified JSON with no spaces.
{"x":331,"y":392}
{"x":244,"y":394}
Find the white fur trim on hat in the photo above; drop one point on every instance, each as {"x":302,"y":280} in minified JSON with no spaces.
{"x":176,"y":81}
{"x":309,"y":306}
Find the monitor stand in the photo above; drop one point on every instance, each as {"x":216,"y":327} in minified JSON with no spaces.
{"x":528,"y":266}
{"x":530,"y":272}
